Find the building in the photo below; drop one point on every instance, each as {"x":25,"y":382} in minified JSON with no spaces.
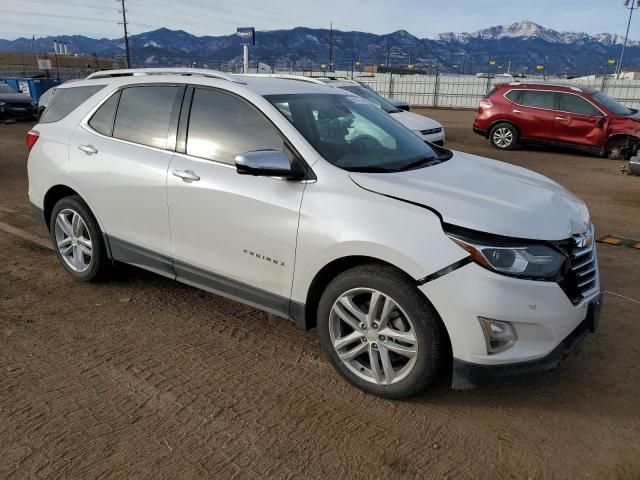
{"x":64,"y":66}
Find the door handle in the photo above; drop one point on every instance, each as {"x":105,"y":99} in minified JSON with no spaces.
{"x":88,"y":149}
{"x":186,"y":175}
{"x":515,"y":110}
{"x":562,"y":119}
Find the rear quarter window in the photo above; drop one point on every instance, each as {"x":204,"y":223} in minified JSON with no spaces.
{"x":102,"y":120}
{"x":514,"y":95}
{"x":66,"y":100}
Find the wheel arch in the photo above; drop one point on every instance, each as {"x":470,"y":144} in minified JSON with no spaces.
{"x":615,"y":137}
{"x":496,"y":122}
{"x":53,"y":196}
{"x":335,"y":268}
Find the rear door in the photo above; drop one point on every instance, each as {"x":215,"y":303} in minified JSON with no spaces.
{"x":119,"y":158}
{"x":535,"y":114}
{"x":578,"y":121}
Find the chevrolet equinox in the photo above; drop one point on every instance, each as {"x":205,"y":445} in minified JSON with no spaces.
{"x":308,"y":202}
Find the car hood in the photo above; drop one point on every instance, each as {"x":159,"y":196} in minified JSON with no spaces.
{"x":487,"y":196}
{"x":413,"y":121}
{"x":15,"y":98}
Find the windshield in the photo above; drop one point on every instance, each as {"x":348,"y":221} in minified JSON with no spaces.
{"x":354,"y":135}
{"x":4,"y":88}
{"x":372,"y":97}
{"x":610,"y":104}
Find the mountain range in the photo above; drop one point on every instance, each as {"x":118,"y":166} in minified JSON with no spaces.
{"x":519,"y":47}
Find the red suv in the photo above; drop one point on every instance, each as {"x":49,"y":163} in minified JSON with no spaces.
{"x":561,"y":115}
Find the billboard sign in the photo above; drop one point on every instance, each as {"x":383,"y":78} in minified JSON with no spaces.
{"x":246,"y":35}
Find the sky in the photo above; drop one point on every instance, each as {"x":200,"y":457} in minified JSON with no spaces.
{"x":422,"y":18}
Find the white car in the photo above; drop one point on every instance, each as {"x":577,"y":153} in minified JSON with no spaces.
{"x":426,"y":128}
{"x":308,"y":202}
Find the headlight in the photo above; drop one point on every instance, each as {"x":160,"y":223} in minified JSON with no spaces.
{"x":1,"y":104}
{"x":533,"y":261}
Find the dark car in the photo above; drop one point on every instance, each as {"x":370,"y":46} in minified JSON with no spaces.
{"x":15,"y":104}
{"x":561,"y":115}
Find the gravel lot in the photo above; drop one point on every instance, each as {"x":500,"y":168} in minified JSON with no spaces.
{"x":143,"y":377}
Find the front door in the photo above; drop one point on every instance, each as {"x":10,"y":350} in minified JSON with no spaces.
{"x":578,"y":121}
{"x":232,"y":234}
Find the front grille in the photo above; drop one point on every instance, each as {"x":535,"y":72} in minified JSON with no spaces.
{"x":431,"y":131}
{"x":582,"y":278}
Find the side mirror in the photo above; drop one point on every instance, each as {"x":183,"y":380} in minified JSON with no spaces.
{"x":601,"y":122}
{"x":266,"y":163}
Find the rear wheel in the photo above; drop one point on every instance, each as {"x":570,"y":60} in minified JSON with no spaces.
{"x":77,"y":239}
{"x":504,"y":136}
{"x":379,"y":332}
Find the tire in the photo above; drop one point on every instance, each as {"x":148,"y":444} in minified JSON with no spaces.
{"x":504,"y":136}
{"x":409,"y":325}
{"x":79,"y":235}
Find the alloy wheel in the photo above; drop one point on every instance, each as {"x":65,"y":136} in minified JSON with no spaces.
{"x":503,"y":137}
{"x":73,"y":240}
{"x":373,"y":336}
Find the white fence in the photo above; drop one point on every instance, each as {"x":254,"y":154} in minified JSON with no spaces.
{"x":465,"y":91}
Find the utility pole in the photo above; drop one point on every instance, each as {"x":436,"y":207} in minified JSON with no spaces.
{"x":387,"y":59}
{"x":633,"y":6}
{"x":331,"y":48}
{"x":126,"y":35}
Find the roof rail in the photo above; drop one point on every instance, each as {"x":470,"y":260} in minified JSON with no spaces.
{"x":550,"y":84}
{"x":128,"y":72}
{"x":300,"y":78}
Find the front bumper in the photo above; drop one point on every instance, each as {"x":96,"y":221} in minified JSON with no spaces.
{"x":471,"y":375}
{"x":437,"y":138}
{"x":541,"y":313}
{"x":13,"y":111}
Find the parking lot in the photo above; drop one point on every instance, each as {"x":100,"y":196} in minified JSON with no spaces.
{"x":143,"y":377}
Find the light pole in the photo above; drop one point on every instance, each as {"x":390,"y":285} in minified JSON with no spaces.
{"x":631,"y":5}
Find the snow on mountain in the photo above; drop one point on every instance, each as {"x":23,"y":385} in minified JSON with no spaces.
{"x":531,"y":30}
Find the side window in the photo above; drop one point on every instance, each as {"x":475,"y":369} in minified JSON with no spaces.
{"x":66,"y":100}
{"x":538,"y":99}
{"x":102,"y":120}
{"x":514,"y":95}
{"x":575,"y":104}
{"x":221,"y":126}
{"x":144,"y":114}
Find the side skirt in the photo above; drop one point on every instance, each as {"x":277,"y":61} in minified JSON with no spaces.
{"x":211,"y":282}
{"x":563,"y":145}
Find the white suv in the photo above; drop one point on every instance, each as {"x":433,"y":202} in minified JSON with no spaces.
{"x":308,"y":202}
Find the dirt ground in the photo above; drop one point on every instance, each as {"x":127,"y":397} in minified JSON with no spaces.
{"x":141,"y":377}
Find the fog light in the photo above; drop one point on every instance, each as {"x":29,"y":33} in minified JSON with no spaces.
{"x":499,"y":336}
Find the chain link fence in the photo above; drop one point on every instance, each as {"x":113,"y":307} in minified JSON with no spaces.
{"x":466,"y":91}
{"x":442,"y":90}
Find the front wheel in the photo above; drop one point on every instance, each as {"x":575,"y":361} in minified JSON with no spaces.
{"x":504,"y":136}
{"x":379,"y":331}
